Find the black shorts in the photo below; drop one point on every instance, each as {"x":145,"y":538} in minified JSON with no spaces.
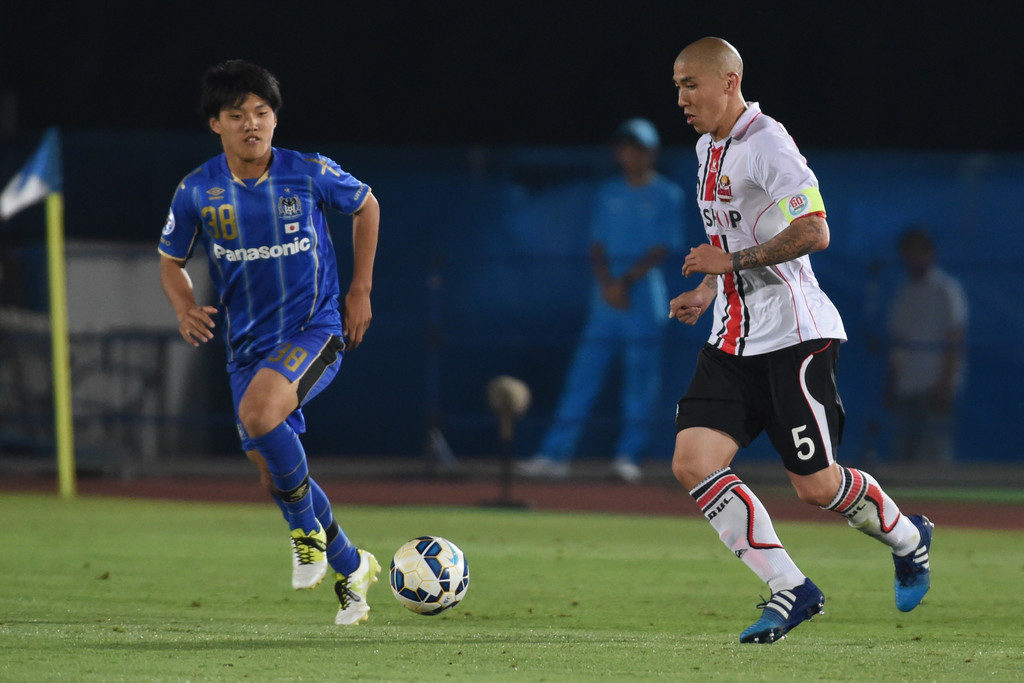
{"x":790,"y":393}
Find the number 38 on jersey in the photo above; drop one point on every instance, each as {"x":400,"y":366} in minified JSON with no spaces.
{"x":221,"y":221}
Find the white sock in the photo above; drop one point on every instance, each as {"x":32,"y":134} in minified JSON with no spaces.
{"x":746,"y":529}
{"x":867,"y":508}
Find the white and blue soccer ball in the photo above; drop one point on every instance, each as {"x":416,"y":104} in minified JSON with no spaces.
{"x":429,"y":574}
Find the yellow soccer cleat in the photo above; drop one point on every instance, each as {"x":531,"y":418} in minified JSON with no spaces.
{"x":309,"y":557}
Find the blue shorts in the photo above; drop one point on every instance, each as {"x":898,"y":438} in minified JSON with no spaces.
{"x":311,"y":358}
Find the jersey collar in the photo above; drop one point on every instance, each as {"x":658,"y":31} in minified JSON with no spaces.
{"x":752,"y":111}
{"x":265,"y":176}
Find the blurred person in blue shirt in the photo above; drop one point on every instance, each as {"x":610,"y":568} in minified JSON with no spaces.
{"x":259,"y":212}
{"x":636,"y":222}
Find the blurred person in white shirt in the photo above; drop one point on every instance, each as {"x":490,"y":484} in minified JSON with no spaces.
{"x":927,"y":324}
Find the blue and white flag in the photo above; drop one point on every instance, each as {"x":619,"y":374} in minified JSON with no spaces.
{"x":40,"y":176}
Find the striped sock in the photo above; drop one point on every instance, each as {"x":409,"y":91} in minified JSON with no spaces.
{"x":286,"y":460}
{"x":341,"y":554}
{"x":867,"y":508}
{"x":746,"y":529}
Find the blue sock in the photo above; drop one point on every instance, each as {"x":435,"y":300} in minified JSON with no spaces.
{"x":341,"y":554}
{"x":286,"y":461}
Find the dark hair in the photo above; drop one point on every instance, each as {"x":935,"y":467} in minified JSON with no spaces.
{"x":916,"y":236}
{"x":228,"y":83}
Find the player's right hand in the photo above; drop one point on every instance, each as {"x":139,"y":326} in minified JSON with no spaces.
{"x":196,"y":325}
{"x":687,"y":307}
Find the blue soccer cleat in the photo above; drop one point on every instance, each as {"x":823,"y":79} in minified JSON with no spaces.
{"x":913,"y":577}
{"x":783,"y":611}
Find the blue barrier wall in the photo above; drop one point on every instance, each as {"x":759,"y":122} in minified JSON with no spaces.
{"x":482,"y":271}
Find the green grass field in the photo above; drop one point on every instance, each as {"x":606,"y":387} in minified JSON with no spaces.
{"x":127,"y":589}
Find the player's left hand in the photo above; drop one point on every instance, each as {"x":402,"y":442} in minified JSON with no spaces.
{"x":707,"y":259}
{"x":357,"y":317}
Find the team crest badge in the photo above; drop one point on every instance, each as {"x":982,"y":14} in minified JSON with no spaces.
{"x":169,"y":225}
{"x":724,"y":189}
{"x":289,"y":207}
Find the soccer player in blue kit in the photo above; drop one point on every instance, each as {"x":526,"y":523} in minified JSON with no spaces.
{"x":259,"y":212}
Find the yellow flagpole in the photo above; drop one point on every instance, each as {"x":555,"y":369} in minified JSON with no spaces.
{"x":63,"y":424}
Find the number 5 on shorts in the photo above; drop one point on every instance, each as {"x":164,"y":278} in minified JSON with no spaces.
{"x":801,"y":441}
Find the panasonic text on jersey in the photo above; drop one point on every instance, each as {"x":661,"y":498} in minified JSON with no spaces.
{"x":265,"y":252}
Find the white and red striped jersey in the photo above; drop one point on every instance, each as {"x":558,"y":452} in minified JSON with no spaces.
{"x":750,"y":186}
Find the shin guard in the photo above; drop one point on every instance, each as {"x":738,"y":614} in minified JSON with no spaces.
{"x":869,"y":509}
{"x":746,"y":529}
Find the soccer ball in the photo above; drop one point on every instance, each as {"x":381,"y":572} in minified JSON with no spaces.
{"x":429,"y":574}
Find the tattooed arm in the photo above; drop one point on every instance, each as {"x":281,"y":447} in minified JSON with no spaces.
{"x":805,"y":235}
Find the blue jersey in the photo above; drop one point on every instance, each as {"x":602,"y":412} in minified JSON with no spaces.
{"x":629,"y":221}
{"x":271,"y":257}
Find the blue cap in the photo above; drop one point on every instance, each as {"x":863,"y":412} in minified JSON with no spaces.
{"x":640,"y":131}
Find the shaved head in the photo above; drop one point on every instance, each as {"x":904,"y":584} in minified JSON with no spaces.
{"x":707,"y":76}
{"x":715,"y":53}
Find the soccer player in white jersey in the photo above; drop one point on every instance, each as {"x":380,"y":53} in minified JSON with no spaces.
{"x":259,"y":211}
{"x":770,"y":362}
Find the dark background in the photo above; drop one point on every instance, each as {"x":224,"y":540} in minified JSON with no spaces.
{"x":937,"y":75}
{"x":483,"y":128}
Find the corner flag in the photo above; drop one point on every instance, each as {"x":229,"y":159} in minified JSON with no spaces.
{"x":40,"y":176}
